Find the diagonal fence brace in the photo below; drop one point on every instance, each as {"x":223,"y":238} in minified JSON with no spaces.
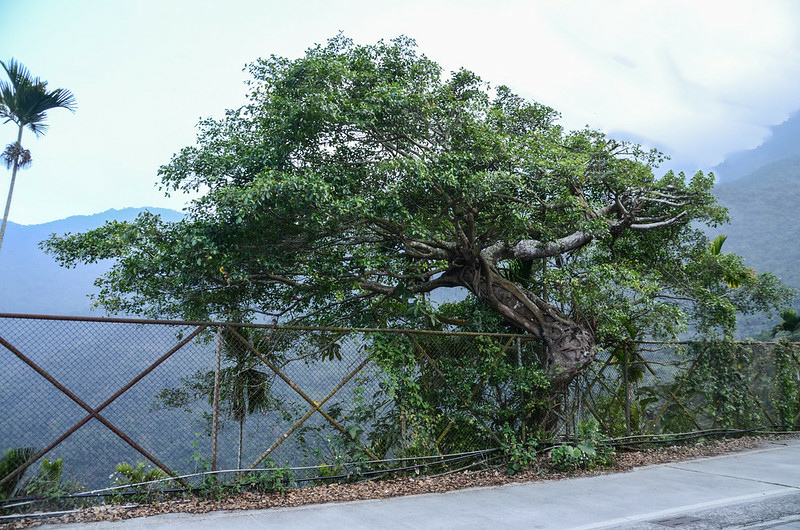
{"x":293,"y":386}
{"x":308,"y":414}
{"x":93,"y":412}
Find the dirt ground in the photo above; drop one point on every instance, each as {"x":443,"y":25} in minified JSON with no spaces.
{"x":624,"y":460}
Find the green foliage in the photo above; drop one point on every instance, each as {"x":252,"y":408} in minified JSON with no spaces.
{"x":786,"y":385}
{"x":335,"y":454}
{"x":789,"y":328}
{"x":11,"y":461}
{"x":712,"y":384}
{"x":49,"y":477}
{"x":566,"y":457}
{"x":609,"y":405}
{"x":198,"y":462}
{"x":126,"y":474}
{"x":275,"y":479}
{"x":588,"y":452}
{"x":437,"y":394}
{"x":49,"y":484}
{"x":722,"y":378}
{"x":458,"y":393}
{"x":519,"y":454}
{"x":357,"y":179}
{"x":677,"y":418}
{"x":411,"y":424}
{"x":270,"y":479}
{"x":729,"y":287}
{"x":138,"y":478}
{"x":278,"y":480}
{"x":716,"y":245}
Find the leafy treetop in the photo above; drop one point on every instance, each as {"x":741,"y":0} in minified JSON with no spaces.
{"x":360,"y":178}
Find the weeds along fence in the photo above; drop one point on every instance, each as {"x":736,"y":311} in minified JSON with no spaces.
{"x":197,"y":397}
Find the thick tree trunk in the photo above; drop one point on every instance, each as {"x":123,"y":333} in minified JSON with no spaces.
{"x":570,"y":345}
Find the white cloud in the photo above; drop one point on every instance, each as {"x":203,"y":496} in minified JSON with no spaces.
{"x":701,"y":78}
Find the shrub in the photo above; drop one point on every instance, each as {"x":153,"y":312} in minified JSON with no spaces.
{"x":587,"y":453}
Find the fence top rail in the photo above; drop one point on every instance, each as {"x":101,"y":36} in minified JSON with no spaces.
{"x":696,"y":341}
{"x":167,"y":322}
{"x":121,"y":320}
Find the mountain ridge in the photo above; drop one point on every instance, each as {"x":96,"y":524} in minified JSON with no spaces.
{"x":34,"y":283}
{"x":782,"y":143}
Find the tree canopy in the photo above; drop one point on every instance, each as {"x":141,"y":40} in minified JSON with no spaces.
{"x":358,"y":179}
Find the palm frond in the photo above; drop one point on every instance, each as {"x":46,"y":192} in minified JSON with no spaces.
{"x":790,"y":323}
{"x":11,"y":460}
{"x":716,"y":245}
{"x":25,"y":100}
{"x":17,"y":72}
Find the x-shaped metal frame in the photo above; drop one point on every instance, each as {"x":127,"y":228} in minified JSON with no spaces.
{"x":316,"y":406}
{"x":94,"y":412}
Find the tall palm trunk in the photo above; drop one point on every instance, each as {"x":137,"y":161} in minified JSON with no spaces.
{"x":11,"y":188}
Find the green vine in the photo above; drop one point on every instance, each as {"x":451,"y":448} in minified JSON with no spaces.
{"x":786,"y":386}
{"x":721,"y":378}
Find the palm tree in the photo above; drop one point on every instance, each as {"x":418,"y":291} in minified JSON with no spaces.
{"x":789,"y":326}
{"x":243,"y":385}
{"x":11,"y":461}
{"x":25,"y":101}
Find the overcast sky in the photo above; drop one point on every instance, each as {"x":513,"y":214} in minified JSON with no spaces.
{"x":698,"y":79}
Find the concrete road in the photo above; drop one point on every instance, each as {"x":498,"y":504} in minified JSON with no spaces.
{"x":755,"y":489}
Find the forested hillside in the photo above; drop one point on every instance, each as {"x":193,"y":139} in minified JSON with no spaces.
{"x":765,"y":225}
{"x":761,"y":188}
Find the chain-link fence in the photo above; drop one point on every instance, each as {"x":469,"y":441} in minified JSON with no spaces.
{"x":193,"y":398}
{"x":655,"y":388}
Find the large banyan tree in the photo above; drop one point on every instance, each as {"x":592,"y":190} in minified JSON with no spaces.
{"x":360,"y":178}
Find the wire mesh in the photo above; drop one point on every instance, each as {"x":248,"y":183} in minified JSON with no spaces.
{"x":660,"y":387}
{"x":330,"y":403}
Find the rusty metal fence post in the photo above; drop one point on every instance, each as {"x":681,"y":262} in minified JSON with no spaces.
{"x":627,"y":385}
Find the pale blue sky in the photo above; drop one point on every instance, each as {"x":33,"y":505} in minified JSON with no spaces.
{"x":697,"y":78}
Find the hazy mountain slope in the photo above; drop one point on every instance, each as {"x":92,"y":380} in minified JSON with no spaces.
{"x":782,"y":144}
{"x":765,"y":221}
{"x":32,"y":282}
